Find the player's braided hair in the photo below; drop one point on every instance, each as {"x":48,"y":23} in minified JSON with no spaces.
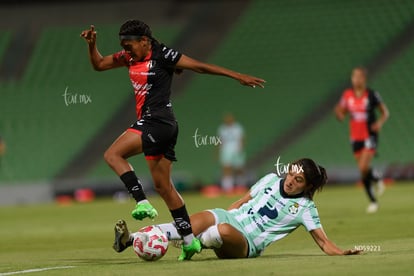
{"x":315,"y":176}
{"x":136,"y":28}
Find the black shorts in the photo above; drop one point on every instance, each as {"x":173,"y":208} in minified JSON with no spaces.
{"x":370,"y":144}
{"x":158,"y":137}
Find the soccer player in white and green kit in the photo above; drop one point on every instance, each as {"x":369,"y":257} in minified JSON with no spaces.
{"x":273,"y":208}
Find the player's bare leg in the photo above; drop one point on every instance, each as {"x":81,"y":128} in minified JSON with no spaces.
{"x":227,"y":181}
{"x":364,"y":160}
{"x":234,"y":243}
{"x":127,"y":145}
{"x":201,"y":221}
{"x":161,"y":175}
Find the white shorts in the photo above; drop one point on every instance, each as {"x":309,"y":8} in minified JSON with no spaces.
{"x":234,"y":159}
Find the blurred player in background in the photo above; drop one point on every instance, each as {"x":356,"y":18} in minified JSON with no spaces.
{"x":362,"y":103}
{"x":232,"y":155}
{"x":272,"y":209}
{"x":151,"y":66}
{"x":2,"y":149}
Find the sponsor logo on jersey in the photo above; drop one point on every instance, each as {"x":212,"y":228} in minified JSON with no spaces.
{"x":360,"y":116}
{"x":141,"y":88}
{"x":278,"y":200}
{"x":142,"y":73}
{"x":147,"y":73}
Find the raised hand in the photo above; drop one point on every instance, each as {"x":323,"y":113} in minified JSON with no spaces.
{"x":89,"y":35}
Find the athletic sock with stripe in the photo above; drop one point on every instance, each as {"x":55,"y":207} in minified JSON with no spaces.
{"x":134,"y":186}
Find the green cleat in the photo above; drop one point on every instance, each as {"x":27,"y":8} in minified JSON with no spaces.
{"x":144,"y":210}
{"x":123,"y":238}
{"x":187,"y":251}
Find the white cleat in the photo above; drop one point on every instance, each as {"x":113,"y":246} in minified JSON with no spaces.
{"x":372,"y":208}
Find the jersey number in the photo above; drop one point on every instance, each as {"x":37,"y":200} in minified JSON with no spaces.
{"x":266,"y":211}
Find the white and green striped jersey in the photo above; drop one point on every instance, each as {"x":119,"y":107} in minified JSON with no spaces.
{"x":271,"y":214}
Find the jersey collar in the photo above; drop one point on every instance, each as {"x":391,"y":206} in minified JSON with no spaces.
{"x":148,"y":57}
{"x":284,"y":194}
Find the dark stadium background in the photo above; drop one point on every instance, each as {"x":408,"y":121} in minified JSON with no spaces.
{"x":305,"y":50}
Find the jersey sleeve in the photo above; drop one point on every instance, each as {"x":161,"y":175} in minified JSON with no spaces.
{"x":121,"y":57}
{"x":262,"y":184}
{"x":310,"y":218}
{"x":169,"y":56}
{"x":376,"y":98}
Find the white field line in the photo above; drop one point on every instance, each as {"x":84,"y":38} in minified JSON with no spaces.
{"x":35,"y":270}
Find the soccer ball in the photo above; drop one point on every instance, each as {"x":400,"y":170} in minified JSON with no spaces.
{"x":150,"y":243}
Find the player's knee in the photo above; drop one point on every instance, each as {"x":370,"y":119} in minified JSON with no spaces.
{"x":225,"y":230}
{"x":162,"y":187}
{"x":109,"y":157}
{"x":364,"y":169}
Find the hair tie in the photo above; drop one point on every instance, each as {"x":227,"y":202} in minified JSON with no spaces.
{"x":130,"y":37}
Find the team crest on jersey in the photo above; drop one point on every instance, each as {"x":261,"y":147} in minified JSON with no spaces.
{"x":294,"y":208}
{"x":151,"y":64}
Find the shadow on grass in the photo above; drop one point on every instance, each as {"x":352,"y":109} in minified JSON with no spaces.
{"x":201,"y":259}
{"x":290,"y":256}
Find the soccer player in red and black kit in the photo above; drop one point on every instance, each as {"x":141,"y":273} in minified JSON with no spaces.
{"x":151,"y":67}
{"x":362,"y":104}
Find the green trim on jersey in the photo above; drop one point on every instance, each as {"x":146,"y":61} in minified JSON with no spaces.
{"x":271,"y":215}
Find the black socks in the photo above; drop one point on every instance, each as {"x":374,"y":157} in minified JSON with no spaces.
{"x":133,"y":185}
{"x":367,"y":180}
{"x":182,"y":221}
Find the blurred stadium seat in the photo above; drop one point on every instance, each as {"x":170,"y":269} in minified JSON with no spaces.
{"x":4,"y":40}
{"x":395,"y":86}
{"x":304,"y":49}
{"x":47,"y":131}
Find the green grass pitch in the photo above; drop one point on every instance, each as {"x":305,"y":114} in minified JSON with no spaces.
{"x":80,"y":235}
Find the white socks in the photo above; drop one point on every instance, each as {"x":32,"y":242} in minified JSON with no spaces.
{"x":170,"y":230}
{"x":143,"y":201}
{"x":188,"y":239}
{"x":211,"y":237}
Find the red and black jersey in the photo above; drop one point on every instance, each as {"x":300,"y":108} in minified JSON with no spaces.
{"x":151,"y":80}
{"x":362,"y":112}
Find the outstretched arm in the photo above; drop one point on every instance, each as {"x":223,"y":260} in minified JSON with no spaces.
{"x":328,"y":246}
{"x":99,"y":62}
{"x":186,"y":62}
